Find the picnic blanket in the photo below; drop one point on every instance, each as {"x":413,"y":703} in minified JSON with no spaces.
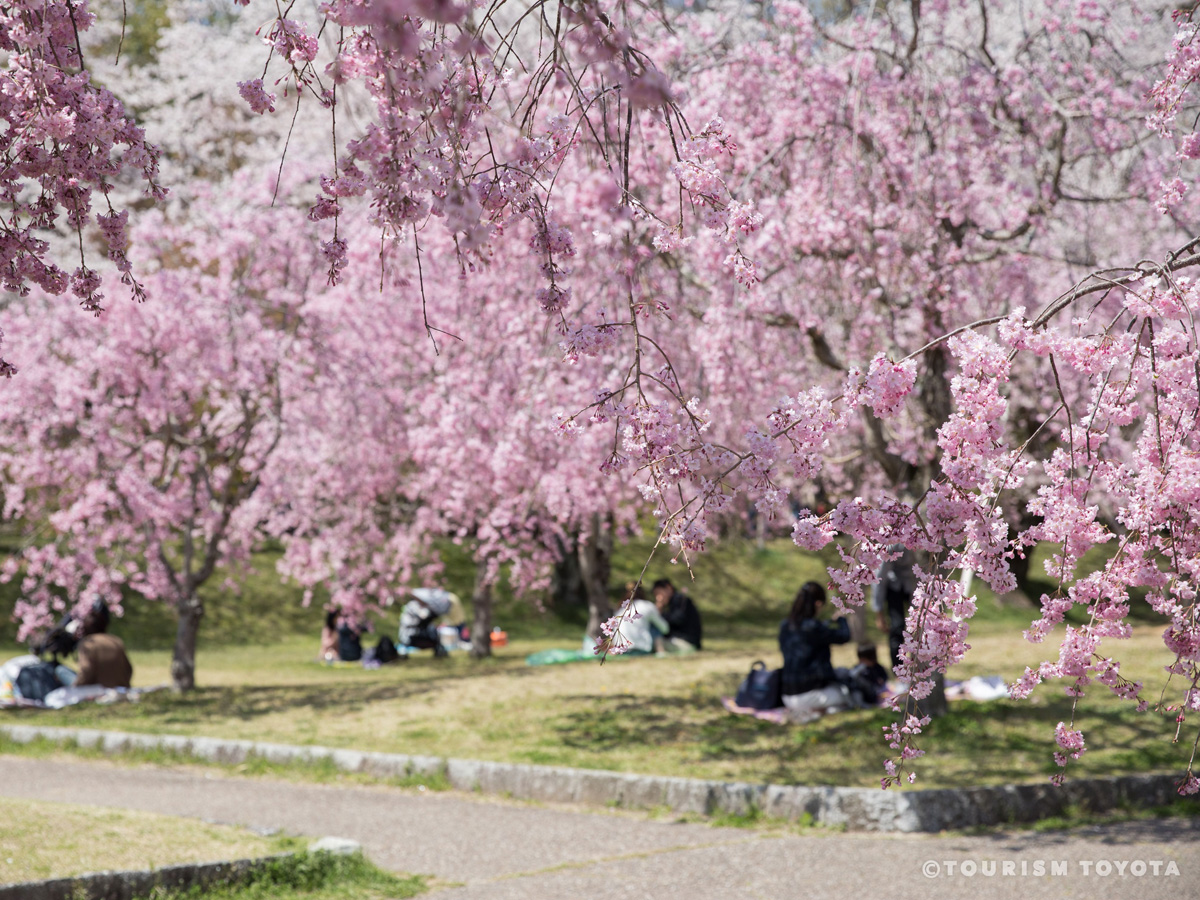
{"x":778,"y":716}
{"x":979,"y":688}
{"x":807,"y":708}
{"x":557,"y":656}
{"x":69,"y":696}
{"x":66,"y":694}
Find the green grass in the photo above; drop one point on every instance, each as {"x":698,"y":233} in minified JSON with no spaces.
{"x":257,"y":680}
{"x":316,"y":771}
{"x":43,"y":840}
{"x":653,"y":716}
{"x":313,"y":876}
{"x":1077,"y":816}
{"x":752,"y":818}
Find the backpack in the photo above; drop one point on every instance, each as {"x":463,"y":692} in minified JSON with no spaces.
{"x":761,"y":689}
{"x":35,"y":681}
{"x":385,"y":650}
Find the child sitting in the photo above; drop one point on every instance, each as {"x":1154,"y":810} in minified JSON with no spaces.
{"x":868,"y":677}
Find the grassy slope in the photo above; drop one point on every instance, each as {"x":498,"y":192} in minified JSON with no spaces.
{"x":645,"y":715}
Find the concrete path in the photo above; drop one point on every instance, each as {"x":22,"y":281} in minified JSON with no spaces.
{"x":488,"y":849}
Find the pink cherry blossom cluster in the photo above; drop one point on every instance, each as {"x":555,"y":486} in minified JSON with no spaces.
{"x":66,"y":143}
{"x":612,"y":639}
{"x":1174,"y":101}
{"x":256,"y":96}
{"x":699,"y":175}
{"x":472,"y":124}
{"x":885,"y":386}
{"x":1071,"y":743}
{"x":292,"y":41}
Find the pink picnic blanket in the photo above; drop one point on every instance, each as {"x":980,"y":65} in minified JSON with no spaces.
{"x":778,"y":716}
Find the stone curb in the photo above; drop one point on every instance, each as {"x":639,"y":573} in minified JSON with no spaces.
{"x":129,"y":885}
{"x":856,"y":809}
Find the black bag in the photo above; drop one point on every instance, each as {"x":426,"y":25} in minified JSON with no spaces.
{"x":385,"y":650}
{"x":762,"y":688}
{"x":37,"y":680}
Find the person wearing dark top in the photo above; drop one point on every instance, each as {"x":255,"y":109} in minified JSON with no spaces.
{"x":868,"y":677}
{"x":349,"y":638}
{"x":804,"y":641}
{"x":681,"y":614}
{"x":329,"y":638}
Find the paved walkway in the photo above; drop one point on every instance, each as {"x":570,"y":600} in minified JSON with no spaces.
{"x":487,"y":849}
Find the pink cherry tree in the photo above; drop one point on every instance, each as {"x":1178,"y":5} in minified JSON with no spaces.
{"x":921,"y":177}
{"x":880,"y":226}
{"x":904,"y":233}
{"x":434,"y":111}
{"x":445,"y":439}
{"x":135,"y":448}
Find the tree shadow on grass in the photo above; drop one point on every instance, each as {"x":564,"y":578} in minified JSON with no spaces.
{"x":601,"y":724}
{"x":976,"y":743}
{"x":329,"y":691}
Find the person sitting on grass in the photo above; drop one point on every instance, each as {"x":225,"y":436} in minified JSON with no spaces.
{"x":329,"y":638}
{"x":349,"y":637}
{"x":102,"y":657}
{"x":642,"y":626}
{"x":868,"y":677}
{"x":685,"y":635}
{"x":419,"y":616}
{"x":810,"y":684}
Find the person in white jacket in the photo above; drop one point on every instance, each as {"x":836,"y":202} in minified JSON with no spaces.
{"x":420,"y":616}
{"x":642,"y":625}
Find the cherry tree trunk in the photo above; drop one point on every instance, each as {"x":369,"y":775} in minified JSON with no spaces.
{"x":1020,"y":569}
{"x":481,"y":624}
{"x":595,"y":564}
{"x":183,"y":660}
{"x":856,"y":617}
{"x":935,"y":704}
{"x":567,"y":580}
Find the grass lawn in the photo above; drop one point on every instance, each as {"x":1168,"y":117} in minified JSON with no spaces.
{"x":57,"y":840}
{"x":653,"y":716}
{"x":317,"y":877}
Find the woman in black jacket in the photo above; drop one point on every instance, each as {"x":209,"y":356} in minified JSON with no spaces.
{"x":805,"y":640}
